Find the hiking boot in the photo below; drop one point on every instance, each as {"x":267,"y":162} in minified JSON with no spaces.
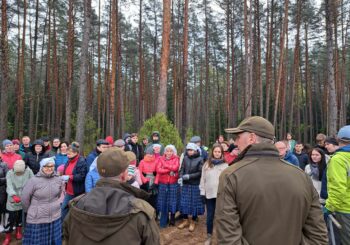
{"x":183,"y":224}
{"x":208,"y":241}
{"x":192,"y":226}
{"x":172,"y":220}
{"x":7,"y":240}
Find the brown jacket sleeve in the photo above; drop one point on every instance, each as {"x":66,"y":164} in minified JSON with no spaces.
{"x":229,"y":230}
{"x":314,"y":229}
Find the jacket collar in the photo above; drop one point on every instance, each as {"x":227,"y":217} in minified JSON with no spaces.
{"x":261,"y":149}
{"x":138,"y":193}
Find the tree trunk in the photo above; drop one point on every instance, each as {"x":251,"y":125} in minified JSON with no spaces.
{"x":20,"y":77}
{"x":99,"y":79}
{"x":4,"y":71}
{"x":270,"y":31}
{"x":70,"y":70}
{"x":83,"y":74}
{"x":185,"y":73}
{"x":281,"y":61}
{"x":164,"y":61}
{"x":33,"y":76}
{"x":332,"y":102}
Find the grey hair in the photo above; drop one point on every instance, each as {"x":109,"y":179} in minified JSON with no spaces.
{"x":260,"y":139}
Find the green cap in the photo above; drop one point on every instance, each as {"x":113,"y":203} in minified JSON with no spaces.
{"x":258,"y":125}
{"x":112,"y":162}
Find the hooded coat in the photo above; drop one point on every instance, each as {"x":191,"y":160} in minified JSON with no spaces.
{"x":3,"y":194}
{"x":111,"y":212}
{"x":41,"y":198}
{"x":32,"y":159}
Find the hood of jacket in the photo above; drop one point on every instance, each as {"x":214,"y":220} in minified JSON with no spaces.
{"x":155,"y":133}
{"x":344,"y":148}
{"x":38,"y":142}
{"x":106,"y":210}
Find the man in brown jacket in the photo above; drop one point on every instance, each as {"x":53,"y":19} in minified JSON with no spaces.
{"x":113,"y":212}
{"x":263,"y":200}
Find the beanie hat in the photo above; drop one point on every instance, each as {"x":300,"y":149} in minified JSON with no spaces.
{"x":6,"y":142}
{"x":112,"y":162}
{"x":45,"y":138}
{"x":156,"y":145}
{"x":344,"y":133}
{"x":19,"y":166}
{"x":191,"y":146}
{"x":149,"y":150}
{"x":171,"y":147}
{"x":119,"y":143}
{"x":16,"y":142}
{"x":195,"y":139}
{"x":46,"y":161}
{"x":125,"y":136}
{"x":331,"y":140}
{"x":109,"y":139}
{"x":60,"y":168}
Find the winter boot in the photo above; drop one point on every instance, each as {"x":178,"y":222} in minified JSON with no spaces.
{"x":192,"y":226}
{"x":7,"y":240}
{"x":18,"y":233}
{"x":208,"y":241}
{"x":184,"y":224}
{"x":172,"y":220}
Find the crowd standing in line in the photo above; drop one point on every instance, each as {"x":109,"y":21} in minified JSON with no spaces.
{"x":39,"y":180}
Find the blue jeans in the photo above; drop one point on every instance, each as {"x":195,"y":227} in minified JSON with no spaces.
{"x":64,"y":206}
{"x":211,"y":204}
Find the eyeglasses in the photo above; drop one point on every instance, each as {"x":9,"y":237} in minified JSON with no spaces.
{"x":49,"y":166}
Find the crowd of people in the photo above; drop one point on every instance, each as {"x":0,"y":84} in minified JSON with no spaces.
{"x":51,"y":190}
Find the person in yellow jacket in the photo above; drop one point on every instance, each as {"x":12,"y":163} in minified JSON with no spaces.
{"x":338,"y":184}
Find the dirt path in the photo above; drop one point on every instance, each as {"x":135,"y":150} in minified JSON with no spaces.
{"x":168,"y":236}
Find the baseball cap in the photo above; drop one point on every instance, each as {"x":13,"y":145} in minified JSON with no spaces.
{"x":258,"y":125}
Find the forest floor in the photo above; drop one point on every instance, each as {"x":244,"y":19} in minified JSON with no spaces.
{"x":168,"y":236}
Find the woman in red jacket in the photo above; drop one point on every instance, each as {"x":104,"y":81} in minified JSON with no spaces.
{"x":148,"y":173}
{"x":167,"y":176}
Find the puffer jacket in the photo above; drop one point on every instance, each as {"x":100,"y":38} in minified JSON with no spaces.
{"x":15,"y":184}
{"x":3,"y":194}
{"x":41,"y":198}
{"x":32,"y":159}
{"x":192,"y":165}
{"x":147,"y":166}
{"x":10,"y":158}
{"x":168,"y":170}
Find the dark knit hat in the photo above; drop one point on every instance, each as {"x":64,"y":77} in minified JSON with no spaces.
{"x":258,"y":125}
{"x":112,"y":162}
{"x":331,"y":140}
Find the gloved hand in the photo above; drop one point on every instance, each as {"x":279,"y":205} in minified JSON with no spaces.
{"x":16,"y":199}
{"x":179,"y":181}
{"x":204,"y":199}
{"x":65,"y":178}
{"x":186,"y":177}
{"x":325,"y":211}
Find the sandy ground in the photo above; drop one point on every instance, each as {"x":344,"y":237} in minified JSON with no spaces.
{"x":170,"y":235}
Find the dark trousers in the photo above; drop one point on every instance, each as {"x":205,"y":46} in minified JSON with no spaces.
{"x":211,"y":204}
{"x":14,"y":220}
{"x":64,"y":206}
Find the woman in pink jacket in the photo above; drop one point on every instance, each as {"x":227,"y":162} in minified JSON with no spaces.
{"x":167,"y":176}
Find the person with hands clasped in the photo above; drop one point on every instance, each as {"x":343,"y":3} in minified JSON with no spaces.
{"x":209,"y":184}
{"x":190,"y":175}
{"x":16,"y":178}
{"x":74,"y":174}
{"x":167,"y":176}
{"x":148,"y":173}
{"x":41,"y":201}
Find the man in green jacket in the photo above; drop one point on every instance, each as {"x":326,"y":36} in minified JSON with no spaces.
{"x":114,"y":212}
{"x":261,"y":199}
{"x":338,"y":184}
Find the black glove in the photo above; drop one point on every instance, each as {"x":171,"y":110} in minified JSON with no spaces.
{"x":204,"y":199}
